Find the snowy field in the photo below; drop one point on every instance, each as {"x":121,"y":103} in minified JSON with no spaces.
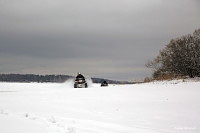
{"x":161,"y":107}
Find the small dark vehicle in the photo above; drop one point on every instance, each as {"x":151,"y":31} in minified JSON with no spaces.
{"x":80,"y":81}
{"x":104,"y":83}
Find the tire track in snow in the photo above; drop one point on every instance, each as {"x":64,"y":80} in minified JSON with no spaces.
{"x":74,"y":125}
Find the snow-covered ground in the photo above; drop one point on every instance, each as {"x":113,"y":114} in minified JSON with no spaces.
{"x":160,"y":107}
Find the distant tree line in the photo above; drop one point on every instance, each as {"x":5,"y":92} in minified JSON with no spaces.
{"x":181,"y":57}
{"x":49,"y":78}
{"x":33,"y":78}
{"x":100,"y":80}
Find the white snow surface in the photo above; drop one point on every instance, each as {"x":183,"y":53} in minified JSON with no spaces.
{"x":159,"y":107}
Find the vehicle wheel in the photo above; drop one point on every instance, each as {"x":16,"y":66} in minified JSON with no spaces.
{"x":75,"y":85}
{"x":86,"y":85}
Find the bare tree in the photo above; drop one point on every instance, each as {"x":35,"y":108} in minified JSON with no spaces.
{"x":181,"y":57}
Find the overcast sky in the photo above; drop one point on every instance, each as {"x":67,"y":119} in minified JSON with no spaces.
{"x":100,"y":38}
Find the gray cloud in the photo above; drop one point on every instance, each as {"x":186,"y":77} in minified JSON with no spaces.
{"x":105,"y":38}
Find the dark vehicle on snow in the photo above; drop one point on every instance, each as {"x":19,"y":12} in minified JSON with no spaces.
{"x":80,"y":81}
{"x":104,"y":83}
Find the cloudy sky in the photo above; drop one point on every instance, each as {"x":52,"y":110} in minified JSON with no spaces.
{"x":100,"y":38}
